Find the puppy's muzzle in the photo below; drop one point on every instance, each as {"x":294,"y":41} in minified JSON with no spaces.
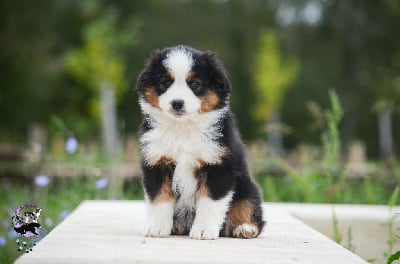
{"x":178,"y":106}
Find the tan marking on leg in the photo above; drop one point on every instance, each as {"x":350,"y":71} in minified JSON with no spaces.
{"x":238,"y":220}
{"x":240,"y":212}
{"x":166,"y":194}
{"x":200,"y":164}
{"x":151,"y":97}
{"x":209,"y":102}
{"x":202,"y":190}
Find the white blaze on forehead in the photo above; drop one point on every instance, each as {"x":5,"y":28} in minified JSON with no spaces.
{"x":179,"y":61}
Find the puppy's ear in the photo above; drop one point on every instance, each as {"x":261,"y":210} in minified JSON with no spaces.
{"x":144,"y":79}
{"x":218,"y":73}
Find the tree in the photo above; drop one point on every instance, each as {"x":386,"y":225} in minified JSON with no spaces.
{"x":31,"y":40}
{"x":99,"y":66}
{"x":273,"y":76}
{"x":353,"y":48}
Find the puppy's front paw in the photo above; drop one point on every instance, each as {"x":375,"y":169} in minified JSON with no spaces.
{"x":204,"y":232}
{"x":160,"y":219}
{"x":158,"y":231}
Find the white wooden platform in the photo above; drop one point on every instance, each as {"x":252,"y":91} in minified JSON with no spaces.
{"x":112,"y":232}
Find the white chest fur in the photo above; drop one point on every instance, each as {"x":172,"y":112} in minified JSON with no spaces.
{"x":188,"y":141}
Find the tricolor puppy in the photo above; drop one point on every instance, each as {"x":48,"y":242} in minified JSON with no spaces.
{"x":195,"y":174}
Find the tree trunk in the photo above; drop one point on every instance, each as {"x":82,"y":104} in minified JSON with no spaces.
{"x":110,"y":140}
{"x":385,"y":132}
{"x":275,"y":138}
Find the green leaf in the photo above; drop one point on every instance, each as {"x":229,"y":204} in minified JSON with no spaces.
{"x":393,"y":257}
{"x":273,"y":76}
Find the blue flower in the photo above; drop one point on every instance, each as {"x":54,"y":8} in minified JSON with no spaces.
{"x":3,"y":241}
{"x":101,"y":183}
{"x":6,"y":223}
{"x":42,"y":180}
{"x":71,"y":145}
{"x":12,"y":234}
{"x":63,"y":214}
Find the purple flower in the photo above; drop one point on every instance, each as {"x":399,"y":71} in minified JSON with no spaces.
{"x":71,"y":146}
{"x":3,"y":241}
{"x":101,"y":183}
{"x":42,"y":180}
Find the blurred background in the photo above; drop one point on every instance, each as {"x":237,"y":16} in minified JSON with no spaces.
{"x":316,"y":88}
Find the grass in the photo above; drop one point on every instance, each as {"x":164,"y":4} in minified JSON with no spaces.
{"x":321,"y":177}
{"x":315,"y":188}
{"x":57,"y":200}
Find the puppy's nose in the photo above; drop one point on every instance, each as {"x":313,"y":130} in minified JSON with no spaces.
{"x":177,"y":104}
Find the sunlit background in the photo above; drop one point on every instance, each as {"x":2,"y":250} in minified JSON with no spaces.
{"x":316,"y":86}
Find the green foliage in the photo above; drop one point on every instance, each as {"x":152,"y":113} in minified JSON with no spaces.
{"x":273,"y":75}
{"x":330,"y":137}
{"x":350,"y":245}
{"x":395,"y":256}
{"x":391,"y":230}
{"x":337,"y":236}
{"x":57,"y":126}
{"x":99,"y":61}
{"x":320,"y":178}
{"x":317,"y":188}
{"x":269,"y":187}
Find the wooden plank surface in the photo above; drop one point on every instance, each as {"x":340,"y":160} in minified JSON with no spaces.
{"x":112,"y":232}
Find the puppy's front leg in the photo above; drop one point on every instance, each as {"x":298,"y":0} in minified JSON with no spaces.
{"x":210,"y":215}
{"x":160,"y":199}
{"x":160,"y":219}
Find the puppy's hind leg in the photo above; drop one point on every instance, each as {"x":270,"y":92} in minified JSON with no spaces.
{"x":244,"y":220}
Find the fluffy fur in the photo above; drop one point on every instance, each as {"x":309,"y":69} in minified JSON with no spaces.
{"x":195,"y":174}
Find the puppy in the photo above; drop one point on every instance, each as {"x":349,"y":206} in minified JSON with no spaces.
{"x":196,"y":179}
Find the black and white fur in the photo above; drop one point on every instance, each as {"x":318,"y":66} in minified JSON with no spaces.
{"x":195,"y":174}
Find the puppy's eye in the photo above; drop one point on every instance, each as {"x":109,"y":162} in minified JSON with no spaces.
{"x":193,"y":85}
{"x":166,"y":82}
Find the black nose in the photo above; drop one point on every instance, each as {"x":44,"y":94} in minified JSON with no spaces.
{"x":177,"y":105}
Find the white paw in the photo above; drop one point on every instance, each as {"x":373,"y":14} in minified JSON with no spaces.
{"x":202,"y":232}
{"x":158,"y":231}
{"x":245,"y":231}
{"x":160,"y":219}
